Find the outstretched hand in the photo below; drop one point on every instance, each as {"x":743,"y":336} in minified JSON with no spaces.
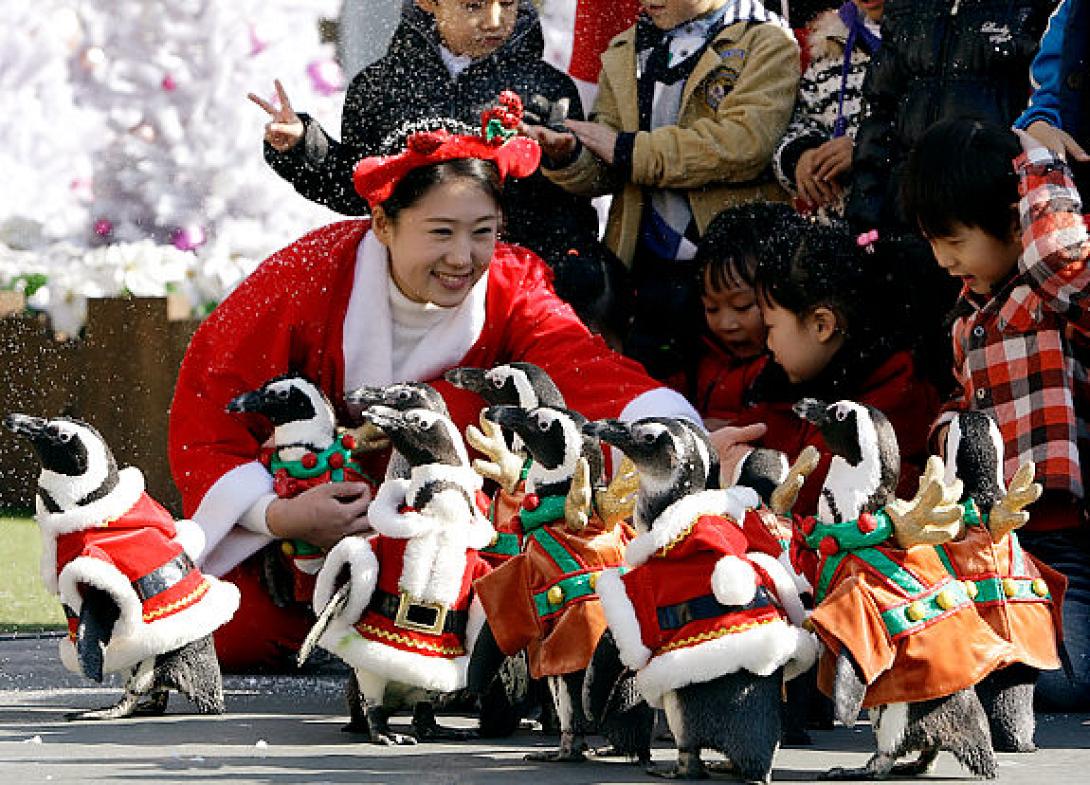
{"x":1055,"y":139}
{"x":284,"y":129}
{"x":556,"y":145}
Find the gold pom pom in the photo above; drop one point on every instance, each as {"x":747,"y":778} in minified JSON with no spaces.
{"x":1040,"y":588}
{"x":287,"y":547}
{"x":916,"y":611}
{"x":555,"y":595}
{"x":1010,"y":587}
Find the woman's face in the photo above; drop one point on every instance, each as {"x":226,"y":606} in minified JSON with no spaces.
{"x":441,"y":245}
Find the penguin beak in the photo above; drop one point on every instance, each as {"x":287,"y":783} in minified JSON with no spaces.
{"x":247,"y":402}
{"x":365,"y":396}
{"x":471,"y":379}
{"x":383,"y":417}
{"x":612,"y":432}
{"x":812,"y":410}
{"x":24,"y":425}
{"x":512,"y":417}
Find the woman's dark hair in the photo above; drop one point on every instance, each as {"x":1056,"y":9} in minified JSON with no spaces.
{"x":961,"y":172}
{"x":736,"y":239}
{"x":419,"y":181}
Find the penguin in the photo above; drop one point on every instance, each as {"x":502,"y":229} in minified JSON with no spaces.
{"x":855,"y":502}
{"x":988,"y":556}
{"x":125,"y":572}
{"x":410,"y":617}
{"x":561,"y":635}
{"x":307,"y":450}
{"x":516,"y":384}
{"x":401,"y":396}
{"x":708,"y":627}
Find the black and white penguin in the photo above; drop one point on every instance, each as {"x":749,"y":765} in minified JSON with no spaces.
{"x":515,"y":384}
{"x":302,"y":416}
{"x":400,"y":396}
{"x":862,"y":478}
{"x":433,"y":522}
{"x":555,"y":441}
{"x":124,"y":570}
{"x":725,"y":696}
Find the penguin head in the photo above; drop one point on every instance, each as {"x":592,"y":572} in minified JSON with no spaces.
{"x":401,"y":396}
{"x":661,"y":447}
{"x":519,"y":384}
{"x":553,"y":436}
{"x":421,"y":436}
{"x":974,"y":455}
{"x":77,"y":465}
{"x":763,"y":470}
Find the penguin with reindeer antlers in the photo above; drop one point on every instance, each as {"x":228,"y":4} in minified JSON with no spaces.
{"x":124,"y":570}
{"x":707,"y":624}
{"x":544,"y":599}
{"x":887,"y":611}
{"x":1020,"y":597}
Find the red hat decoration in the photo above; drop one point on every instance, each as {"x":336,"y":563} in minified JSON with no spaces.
{"x":376,"y":177}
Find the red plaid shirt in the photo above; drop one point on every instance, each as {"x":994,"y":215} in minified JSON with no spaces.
{"x":1021,"y":356}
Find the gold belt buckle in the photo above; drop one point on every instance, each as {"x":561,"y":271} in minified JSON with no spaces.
{"x":407,"y":605}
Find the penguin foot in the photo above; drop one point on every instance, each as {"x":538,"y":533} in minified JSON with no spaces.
{"x":155,"y":706}
{"x":642,"y":757}
{"x":922,"y":765}
{"x":425,"y":728}
{"x":379,"y":730}
{"x":688,"y":767}
{"x":869,"y":772}
{"x":125,"y":707}
{"x":557,"y":756}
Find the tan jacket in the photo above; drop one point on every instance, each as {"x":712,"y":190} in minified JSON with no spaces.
{"x":735,"y":107}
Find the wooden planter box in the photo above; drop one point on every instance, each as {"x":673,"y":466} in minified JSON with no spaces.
{"x":119,"y":377}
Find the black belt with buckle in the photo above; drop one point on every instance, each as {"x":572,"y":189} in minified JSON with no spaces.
{"x":419,"y":616}
{"x":162,"y":578}
{"x":672,"y":617}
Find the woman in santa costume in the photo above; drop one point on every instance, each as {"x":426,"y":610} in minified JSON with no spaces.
{"x":421,"y":288}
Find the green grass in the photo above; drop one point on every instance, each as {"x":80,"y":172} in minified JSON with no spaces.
{"x":25,"y":605}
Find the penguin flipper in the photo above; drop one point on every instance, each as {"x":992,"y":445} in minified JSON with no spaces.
{"x":849,"y":689}
{"x":97,"y":617}
{"x":604,"y":673}
{"x":332,"y":610}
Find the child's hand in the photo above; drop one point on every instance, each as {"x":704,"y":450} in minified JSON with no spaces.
{"x":556,"y":146}
{"x":599,"y":139}
{"x":816,"y":192}
{"x":733,"y":444}
{"x":322,"y":515}
{"x":284,"y":129}
{"x":1055,"y":139}
{"x":833,"y":159}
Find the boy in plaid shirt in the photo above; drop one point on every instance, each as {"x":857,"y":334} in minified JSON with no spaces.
{"x":1015,"y":237}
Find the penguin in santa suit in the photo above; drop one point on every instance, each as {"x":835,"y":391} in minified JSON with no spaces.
{"x":887,"y":610}
{"x":306,"y":451}
{"x":410,"y":617}
{"x":124,"y":570}
{"x":707,"y":624}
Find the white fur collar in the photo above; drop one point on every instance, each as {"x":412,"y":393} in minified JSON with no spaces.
{"x":368,"y":327}
{"x":130,"y":486}
{"x":676,"y":518}
{"x":445,"y":509}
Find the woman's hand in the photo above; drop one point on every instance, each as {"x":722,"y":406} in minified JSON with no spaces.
{"x":322,"y":515}
{"x":599,"y":139}
{"x":732,"y":444}
{"x":284,"y":129}
{"x":1055,"y":139}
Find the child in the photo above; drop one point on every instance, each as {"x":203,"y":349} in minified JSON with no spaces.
{"x":449,"y":59}
{"x":692,"y":99}
{"x":830,"y":332}
{"x":1021,"y":333}
{"x":733,"y":351}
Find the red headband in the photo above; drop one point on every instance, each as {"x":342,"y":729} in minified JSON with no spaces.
{"x":376,"y":177}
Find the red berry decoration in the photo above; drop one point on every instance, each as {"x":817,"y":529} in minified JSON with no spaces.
{"x":530,"y":501}
{"x":404,"y":508}
{"x":867,"y":523}
{"x":336,"y":460}
{"x":828,"y":546}
{"x":348,"y":441}
{"x":807,"y":525}
{"x":426,"y":142}
{"x":309,"y":461}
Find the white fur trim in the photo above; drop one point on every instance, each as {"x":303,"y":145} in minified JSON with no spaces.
{"x":356,"y":554}
{"x":385,"y":518}
{"x":732,"y":502}
{"x":133,"y":639}
{"x":734,"y":581}
{"x":475,"y":623}
{"x":221,"y":509}
{"x":621,"y":618}
{"x":736,"y":472}
{"x":445,"y":509}
{"x":785,"y":585}
{"x":807,"y":649}
{"x":434,"y":566}
{"x":130,"y":486}
{"x":418,"y":670}
{"x":190,"y":536}
{"x":760,"y":650}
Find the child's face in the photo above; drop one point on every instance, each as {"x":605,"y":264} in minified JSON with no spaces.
{"x":668,"y":14}
{"x":978,"y":258}
{"x":872,"y":8}
{"x":734,"y":318}
{"x":441,"y":245}
{"x":802,"y":346}
{"x":473,"y":27}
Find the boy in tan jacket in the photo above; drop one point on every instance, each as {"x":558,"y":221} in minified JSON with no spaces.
{"x":692,"y":101}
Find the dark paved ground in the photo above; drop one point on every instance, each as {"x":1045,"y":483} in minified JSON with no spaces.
{"x":287,"y":730}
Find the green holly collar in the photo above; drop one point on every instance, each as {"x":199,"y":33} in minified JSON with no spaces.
{"x":549,"y":509}
{"x":321,"y":466}
{"x":866,"y":531}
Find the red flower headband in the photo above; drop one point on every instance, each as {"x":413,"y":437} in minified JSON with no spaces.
{"x":376,"y":177}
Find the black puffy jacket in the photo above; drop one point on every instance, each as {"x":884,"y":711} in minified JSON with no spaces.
{"x":939,"y":59}
{"x":411,"y":83}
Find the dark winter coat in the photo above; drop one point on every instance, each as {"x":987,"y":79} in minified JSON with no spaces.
{"x":939,"y":59}
{"x":411,"y":83}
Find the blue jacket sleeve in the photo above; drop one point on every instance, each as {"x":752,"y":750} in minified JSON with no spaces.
{"x":1045,"y":72}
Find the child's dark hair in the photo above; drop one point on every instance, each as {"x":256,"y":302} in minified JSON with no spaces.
{"x":419,"y":181}
{"x":961,"y":172}
{"x":735,"y":240}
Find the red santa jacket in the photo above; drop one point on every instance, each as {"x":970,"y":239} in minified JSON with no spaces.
{"x":719,"y":387}
{"x":127,"y":545}
{"x":697,"y":603}
{"x":288,"y":315}
{"x":894,"y":388}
